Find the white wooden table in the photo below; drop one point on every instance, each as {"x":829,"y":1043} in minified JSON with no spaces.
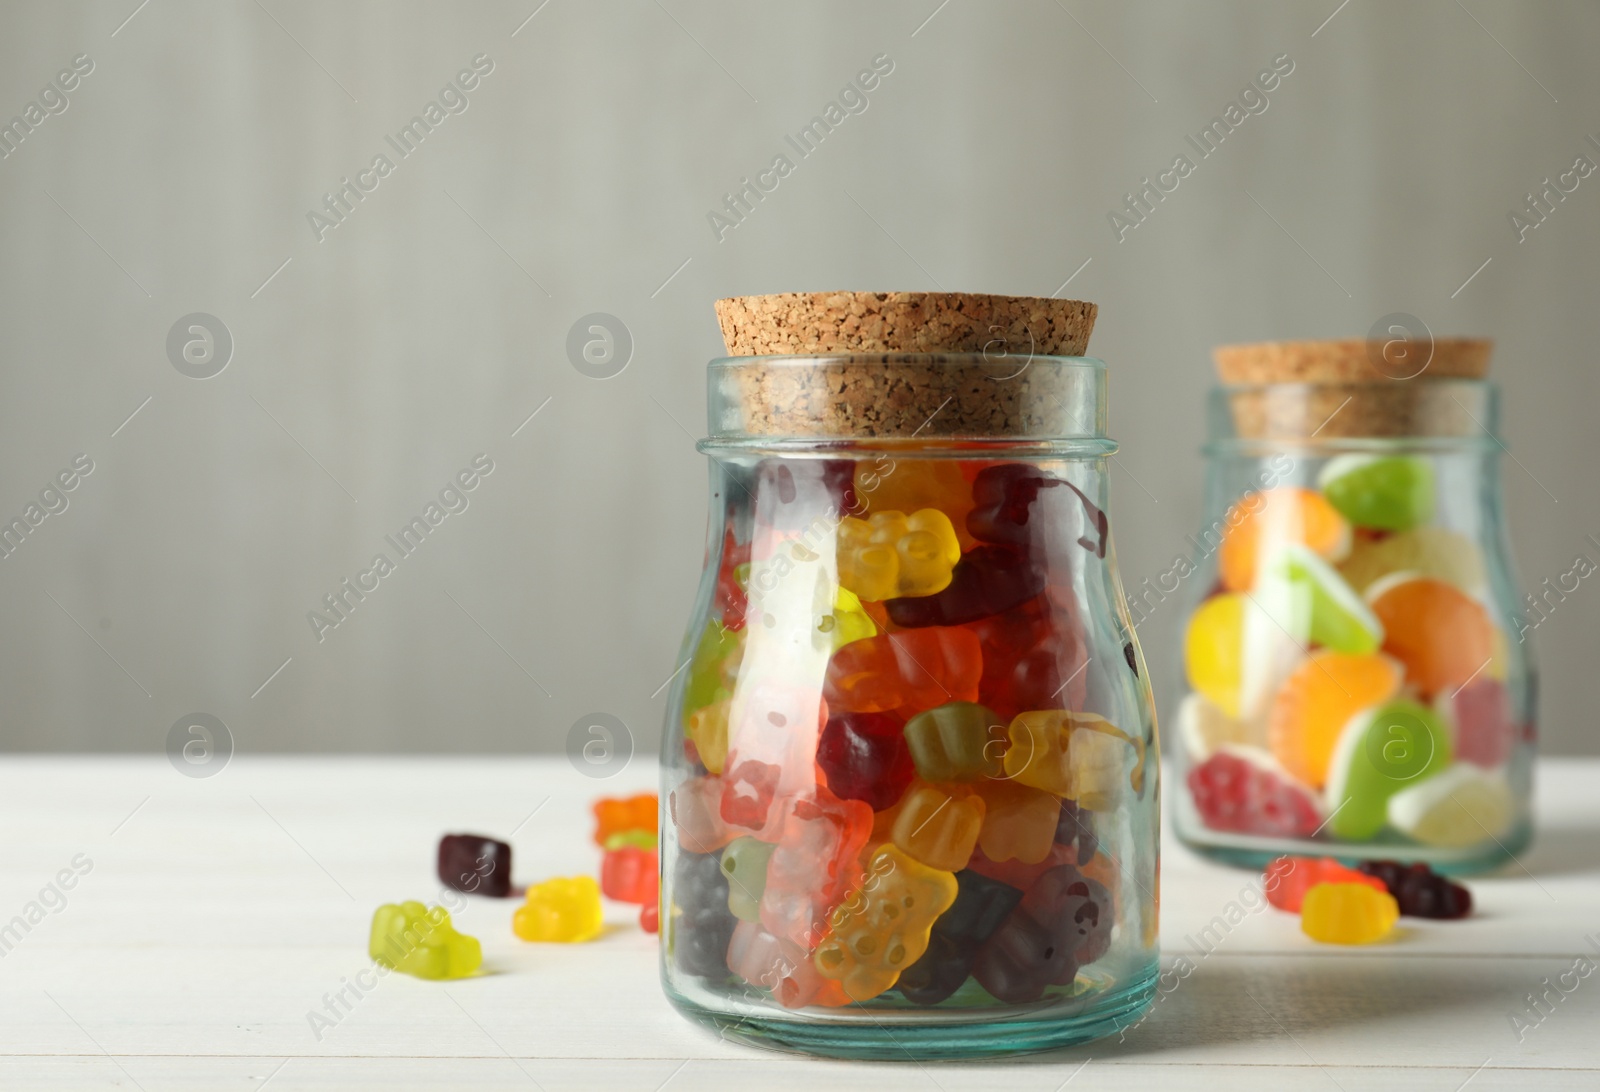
{"x":217,"y":913}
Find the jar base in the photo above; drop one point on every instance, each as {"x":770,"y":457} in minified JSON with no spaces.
{"x":901,"y":1036}
{"x":1240,"y":853}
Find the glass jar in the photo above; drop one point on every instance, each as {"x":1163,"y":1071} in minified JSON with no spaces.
{"x":1355,"y":683}
{"x":910,"y":761}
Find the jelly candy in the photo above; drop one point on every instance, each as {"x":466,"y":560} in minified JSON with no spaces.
{"x":847,"y":622}
{"x":956,"y":741}
{"x":747,"y":793}
{"x":1077,"y":755}
{"x":703,"y":925}
{"x":1442,"y":636}
{"x":713,"y":666}
{"x":1380,"y":752}
{"x":1459,"y":807}
{"x":1034,"y":657}
{"x":1315,"y":703}
{"x":981,"y":907}
{"x":987,"y":580}
{"x":1321,"y":605}
{"x":1240,"y":789}
{"x":1213,"y":646}
{"x":1347,"y":913}
{"x":782,"y":966}
{"x":891,"y":554}
{"x":733,"y":575}
{"x":907,"y":485}
{"x":707,"y":729}
{"x":415,"y":940}
{"x":475,"y":864}
{"x":696,"y":807}
{"x":1019,"y":823}
{"x":1387,"y":492}
{"x":864,"y":757}
{"x":1020,"y":875}
{"x":911,"y":671}
{"x":613,"y":814}
{"x":640,"y":839}
{"x":1062,"y":923}
{"x":1287,"y":879}
{"x":629,"y":874}
{"x":1015,"y":505}
{"x":1075,"y":829}
{"x":744,"y":863}
{"x":1427,"y":551}
{"x":1481,"y":711}
{"x":938,"y":829}
{"x":564,"y":910}
{"x":884,"y":927}
{"x":772,"y":745}
{"x":813,"y":864}
{"x":1419,"y":891}
{"x":1203,"y":728}
{"x":1261,"y":522}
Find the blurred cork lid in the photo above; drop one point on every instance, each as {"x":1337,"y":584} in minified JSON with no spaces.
{"x":1352,"y":387}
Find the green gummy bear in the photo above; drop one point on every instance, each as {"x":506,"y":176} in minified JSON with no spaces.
{"x":1379,"y":753}
{"x":414,"y":940}
{"x":744,"y":862}
{"x":716,"y":657}
{"x":950,"y":742}
{"x":1385,"y":492}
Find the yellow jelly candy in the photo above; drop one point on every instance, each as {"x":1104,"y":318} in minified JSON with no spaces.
{"x":1347,"y":913}
{"x":708,"y":728}
{"x":883,"y":927}
{"x":1212,"y":650}
{"x":412,"y":939}
{"x":890,"y":554}
{"x":1460,"y":807}
{"x":564,"y":910}
{"x":847,"y":622}
{"x":1080,"y":756}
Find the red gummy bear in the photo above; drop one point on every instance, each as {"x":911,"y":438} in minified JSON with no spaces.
{"x":864,"y":757}
{"x":731,"y":600}
{"x":1234,"y":792}
{"x":913,"y":671}
{"x":747,"y":792}
{"x":628,"y":874}
{"x":812,"y":866}
{"x":1033,"y":658}
{"x":1287,"y":879}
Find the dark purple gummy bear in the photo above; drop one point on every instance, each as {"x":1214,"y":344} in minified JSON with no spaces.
{"x":1063,"y":922}
{"x":1015,"y":505}
{"x":981,"y":907}
{"x":1420,"y":891}
{"x":475,"y":864}
{"x":1075,"y":826}
{"x":987,"y":580}
{"x":703,"y":926}
{"x":865,"y":757}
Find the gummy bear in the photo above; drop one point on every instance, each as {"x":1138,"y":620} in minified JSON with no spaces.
{"x":713,"y":666}
{"x":1238,"y":790}
{"x":744,"y":862}
{"x":956,"y":741}
{"x":891,"y":554}
{"x":772,"y":745}
{"x":1034,"y":657}
{"x":696,"y":807}
{"x":703,"y":925}
{"x":415,"y":940}
{"x":1019,"y":822}
{"x":1419,"y":891}
{"x":812,"y":865}
{"x":987,"y":580}
{"x":629,"y":874}
{"x":938,"y":829}
{"x":911,"y":484}
{"x":614,"y":814}
{"x":981,"y":907}
{"x":847,"y":622}
{"x":1347,"y":913}
{"x":782,"y":966}
{"x":911,"y":671}
{"x":747,"y":793}
{"x":864,"y":757}
{"x":1076,"y":755}
{"x":884,"y":927}
{"x":564,"y":910}
{"x":733,"y":574}
{"x":1287,"y":879}
{"x":475,"y":864}
{"x":1062,"y":923}
{"x":1016,"y":505}
{"x":707,"y":729}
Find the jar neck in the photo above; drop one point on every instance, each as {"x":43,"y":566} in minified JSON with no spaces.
{"x":1423,"y":415}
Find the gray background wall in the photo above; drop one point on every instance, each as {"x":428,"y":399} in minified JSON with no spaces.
{"x":427,"y":327}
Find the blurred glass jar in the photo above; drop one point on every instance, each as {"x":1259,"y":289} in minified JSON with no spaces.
{"x":1355,"y":683}
{"x":910,"y":766}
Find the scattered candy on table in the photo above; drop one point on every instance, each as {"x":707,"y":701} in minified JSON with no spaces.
{"x":618,"y":815}
{"x":475,"y":864}
{"x":411,"y":938}
{"x":1287,"y":879}
{"x":1347,"y":913}
{"x":565,"y":910}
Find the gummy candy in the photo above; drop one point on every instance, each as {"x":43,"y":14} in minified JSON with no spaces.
{"x":1062,"y":923}
{"x":782,"y":966}
{"x":1420,"y":891}
{"x":939,"y":829}
{"x":1034,"y":657}
{"x":629,"y":874}
{"x":702,"y":926}
{"x":987,"y":580}
{"x":956,"y":741}
{"x":613,"y":814}
{"x":1481,"y":711}
{"x":1287,"y":879}
{"x":1387,"y":492}
{"x":707,"y":729}
{"x":1315,"y":703}
{"x":565,"y":910}
{"x":907,"y":485}
{"x":1427,"y":551}
{"x":747,"y":793}
{"x":1018,"y":822}
{"x":1261,"y":522}
{"x":1076,"y":755}
{"x":1016,"y":505}
{"x":475,"y":864}
{"x":744,"y":863}
{"x":641,"y":839}
{"x":812,"y":866}
{"x":696,"y":807}
{"x":713,"y":666}
{"x":891,"y":554}
{"x":847,"y":622}
{"x":1021,"y":875}
{"x":864,"y":757}
{"x":1203,"y":728}
{"x":1379,"y":753}
{"x":1442,"y":636}
{"x":883,"y":928}
{"x":1240,"y":789}
{"x":1459,"y":807}
{"x":733,"y":574}
{"x":981,"y":907}
{"x":1321,"y":605}
{"x":772,"y":744}
{"x":1347,"y":913}
{"x":911,"y":671}
{"x":416,"y":940}
{"x":1212,"y":648}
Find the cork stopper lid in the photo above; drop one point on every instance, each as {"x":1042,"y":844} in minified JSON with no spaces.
{"x":905,"y":365}
{"x":1352,"y":387}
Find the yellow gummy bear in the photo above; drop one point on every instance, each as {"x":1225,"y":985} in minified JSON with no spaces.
{"x":1079,"y":756}
{"x":565,"y":910}
{"x":708,"y":728}
{"x":882,"y":928}
{"x":891,"y":554}
{"x":1347,"y":913}
{"x":846,"y":622}
{"x":412,"y":939}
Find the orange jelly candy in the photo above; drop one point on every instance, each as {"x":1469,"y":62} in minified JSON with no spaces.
{"x":1442,"y":635}
{"x":1278,"y":517}
{"x":614,"y":815}
{"x":1287,"y":879}
{"x":1316,"y":702}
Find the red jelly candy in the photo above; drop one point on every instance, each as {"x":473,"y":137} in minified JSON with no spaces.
{"x":1034,"y":657}
{"x":730,"y":598}
{"x":1235,"y":791}
{"x":910,"y":671}
{"x":747,"y":792}
{"x":628,"y":874}
{"x":812,"y":866}
{"x":1287,"y":879}
{"x":865,"y":757}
